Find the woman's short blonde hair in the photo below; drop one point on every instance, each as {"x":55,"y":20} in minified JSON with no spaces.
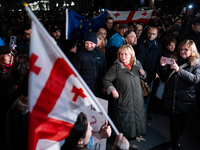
{"x":130,"y":50}
{"x":100,"y":36}
{"x":192,"y":47}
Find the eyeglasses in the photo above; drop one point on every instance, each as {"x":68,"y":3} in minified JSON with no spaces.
{"x":110,"y":22}
{"x":184,"y":49}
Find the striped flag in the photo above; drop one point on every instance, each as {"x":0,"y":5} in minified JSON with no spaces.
{"x":131,"y":16}
{"x":57,"y":93}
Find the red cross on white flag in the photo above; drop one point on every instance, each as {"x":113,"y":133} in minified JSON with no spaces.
{"x":56,"y":95}
{"x":131,"y":16}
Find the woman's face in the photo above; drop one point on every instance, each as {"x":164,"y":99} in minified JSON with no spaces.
{"x":88,"y":134}
{"x":185,"y":51}
{"x":171,"y":46}
{"x":73,"y":49}
{"x":7,"y":58}
{"x":116,"y":27}
{"x":125,"y":56}
{"x":99,"y":42}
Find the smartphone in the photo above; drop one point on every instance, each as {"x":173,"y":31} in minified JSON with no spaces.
{"x":168,"y":60}
{"x":13,"y":40}
{"x":184,"y":9}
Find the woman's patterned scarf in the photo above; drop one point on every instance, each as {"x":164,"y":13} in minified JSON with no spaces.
{"x":129,"y":65}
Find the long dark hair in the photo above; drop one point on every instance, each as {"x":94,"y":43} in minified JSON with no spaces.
{"x":20,"y":68}
{"x":78,"y":131}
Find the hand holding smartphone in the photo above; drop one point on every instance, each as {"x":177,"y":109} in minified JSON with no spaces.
{"x":167,"y":60}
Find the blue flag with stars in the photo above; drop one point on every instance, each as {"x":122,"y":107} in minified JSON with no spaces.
{"x":79,"y":25}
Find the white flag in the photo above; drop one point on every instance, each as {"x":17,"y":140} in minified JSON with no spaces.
{"x":131,"y":16}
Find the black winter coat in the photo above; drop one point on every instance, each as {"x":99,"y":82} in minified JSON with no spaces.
{"x":91,"y":65}
{"x":179,"y":94}
{"x":150,"y":58}
{"x":166,"y":52}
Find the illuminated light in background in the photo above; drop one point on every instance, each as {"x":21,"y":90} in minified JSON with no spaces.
{"x":72,"y":4}
{"x":190,"y":6}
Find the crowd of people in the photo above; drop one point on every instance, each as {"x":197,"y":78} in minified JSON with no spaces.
{"x":112,"y":62}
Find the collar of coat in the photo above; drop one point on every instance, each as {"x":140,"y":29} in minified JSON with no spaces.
{"x":155,"y":42}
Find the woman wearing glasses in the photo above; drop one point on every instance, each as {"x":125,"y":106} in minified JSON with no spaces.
{"x":179,"y":95}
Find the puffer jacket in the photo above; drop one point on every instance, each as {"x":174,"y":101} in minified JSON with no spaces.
{"x":91,"y":65}
{"x":179,"y":95}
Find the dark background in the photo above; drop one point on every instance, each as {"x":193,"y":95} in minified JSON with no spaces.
{"x":170,"y":5}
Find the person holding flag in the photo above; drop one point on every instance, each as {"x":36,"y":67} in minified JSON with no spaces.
{"x":80,"y":135}
{"x":57,"y":93}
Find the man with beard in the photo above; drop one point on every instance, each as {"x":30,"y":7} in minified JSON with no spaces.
{"x":91,"y":64}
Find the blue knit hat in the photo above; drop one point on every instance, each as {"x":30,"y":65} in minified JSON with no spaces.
{"x":91,"y":36}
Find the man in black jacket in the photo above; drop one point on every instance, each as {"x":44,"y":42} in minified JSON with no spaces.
{"x":193,"y":33}
{"x":109,"y":27}
{"x":150,"y":52}
{"x":91,"y":64}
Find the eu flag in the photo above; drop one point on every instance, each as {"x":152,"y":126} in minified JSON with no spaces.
{"x":79,"y":25}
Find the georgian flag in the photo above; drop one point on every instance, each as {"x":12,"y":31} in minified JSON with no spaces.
{"x":131,"y":16}
{"x":56,"y":95}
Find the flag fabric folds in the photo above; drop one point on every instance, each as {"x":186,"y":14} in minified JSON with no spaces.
{"x":56,"y":95}
{"x":77,"y":26}
{"x":131,"y":16}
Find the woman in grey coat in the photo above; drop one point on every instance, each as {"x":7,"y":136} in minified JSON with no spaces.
{"x":123,"y":81}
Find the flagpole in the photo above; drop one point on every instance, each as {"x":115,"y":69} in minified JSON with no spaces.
{"x":34,"y":18}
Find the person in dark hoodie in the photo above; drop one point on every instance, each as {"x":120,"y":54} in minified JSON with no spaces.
{"x":23,"y":46}
{"x":174,"y":33}
{"x":90,"y":62}
{"x":193,"y":33}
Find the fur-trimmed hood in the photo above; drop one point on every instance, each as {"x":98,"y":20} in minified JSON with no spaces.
{"x":192,"y":60}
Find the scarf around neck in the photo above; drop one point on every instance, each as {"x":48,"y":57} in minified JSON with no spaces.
{"x":128,"y":66}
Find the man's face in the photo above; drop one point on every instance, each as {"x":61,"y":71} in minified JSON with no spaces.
{"x":90,"y":45}
{"x":103,"y":32}
{"x":27,"y":33}
{"x":109,"y":23}
{"x":138,"y":30}
{"x":131,"y":39}
{"x":175,"y":34}
{"x":179,"y":22}
{"x":56,"y":35}
{"x":196,"y":27}
{"x":121,"y":31}
{"x":152,"y":34}
{"x":131,"y":28}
